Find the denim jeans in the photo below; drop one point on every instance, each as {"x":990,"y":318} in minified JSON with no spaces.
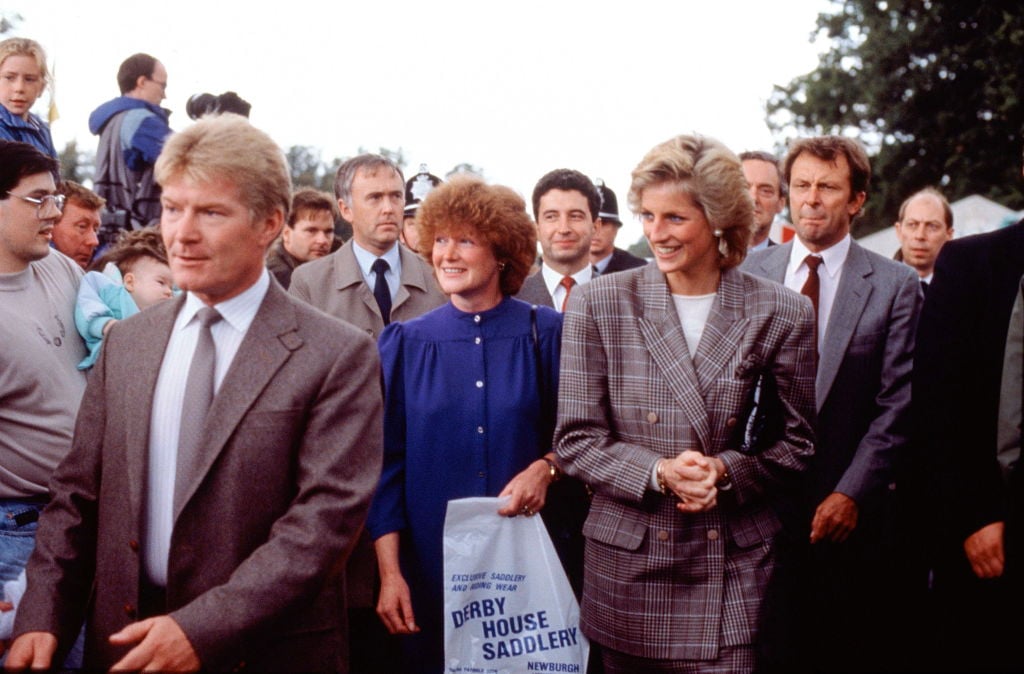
{"x":17,"y":539}
{"x":17,"y":535}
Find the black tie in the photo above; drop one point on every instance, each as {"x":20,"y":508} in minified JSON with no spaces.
{"x":381,"y":292}
{"x":924,"y":288}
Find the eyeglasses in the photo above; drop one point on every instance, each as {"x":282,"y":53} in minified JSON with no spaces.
{"x":162,"y":85}
{"x":55,"y":200}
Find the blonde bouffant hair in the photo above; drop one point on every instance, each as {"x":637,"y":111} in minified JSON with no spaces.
{"x":712,"y":176}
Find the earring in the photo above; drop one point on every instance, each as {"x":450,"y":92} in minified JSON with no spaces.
{"x":723,"y":247}
{"x":501,"y":266}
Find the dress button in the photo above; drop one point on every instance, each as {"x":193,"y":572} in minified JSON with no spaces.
{"x":713,"y":534}
{"x":480,"y":474}
{"x":134,"y":545}
{"x":129,"y":610}
{"x":479,"y":384}
{"x":480,"y":429}
{"x":652,"y":417}
{"x":476,"y":319}
{"x":730,"y":422}
{"x":476,"y":341}
{"x":662,"y":535}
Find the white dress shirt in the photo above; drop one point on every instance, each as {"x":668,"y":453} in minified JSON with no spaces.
{"x":829,"y":273}
{"x":553,"y":281}
{"x":165,"y":419}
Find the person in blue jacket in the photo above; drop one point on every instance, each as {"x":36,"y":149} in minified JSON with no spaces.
{"x":23,"y":77}
{"x":470,"y":396}
{"x":132,"y":129}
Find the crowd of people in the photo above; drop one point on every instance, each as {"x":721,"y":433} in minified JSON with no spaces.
{"x":228,"y":438}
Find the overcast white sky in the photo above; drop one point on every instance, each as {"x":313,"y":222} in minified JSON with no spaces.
{"x":516,"y":88}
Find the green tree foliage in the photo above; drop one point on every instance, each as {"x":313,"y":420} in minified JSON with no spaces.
{"x":933,"y":88}
{"x":76,"y":165}
{"x":8,"y":20}
{"x":640,"y":248}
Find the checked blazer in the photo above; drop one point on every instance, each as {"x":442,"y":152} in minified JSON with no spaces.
{"x":659,"y":583}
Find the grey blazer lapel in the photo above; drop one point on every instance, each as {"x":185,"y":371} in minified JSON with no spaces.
{"x":266,"y":347}
{"x":851,"y":297}
{"x":723,"y":332}
{"x":663,"y":336}
{"x":773,"y":262}
{"x":140,"y":388}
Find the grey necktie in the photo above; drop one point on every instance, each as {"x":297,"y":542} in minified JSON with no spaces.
{"x":198,"y":397}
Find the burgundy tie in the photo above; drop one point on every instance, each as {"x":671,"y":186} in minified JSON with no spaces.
{"x":812,"y":288}
{"x":567,"y":282}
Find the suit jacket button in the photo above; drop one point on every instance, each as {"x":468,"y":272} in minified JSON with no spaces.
{"x":134,"y":545}
{"x":730,"y":422}
{"x":652,"y":417}
{"x":662,"y":535}
{"x":713,"y":534}
{"x":129,"y":610}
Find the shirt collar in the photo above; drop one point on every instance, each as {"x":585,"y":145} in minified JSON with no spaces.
{"x":366,"y":259}
{"x":552,"y":278}
{"x":832,"y":258}
{"x":238,"y":312}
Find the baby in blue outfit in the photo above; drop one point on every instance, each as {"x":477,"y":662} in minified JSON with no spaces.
{"x":135,"y":276}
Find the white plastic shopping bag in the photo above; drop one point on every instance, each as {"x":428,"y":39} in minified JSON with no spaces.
{"x":508,"y":604}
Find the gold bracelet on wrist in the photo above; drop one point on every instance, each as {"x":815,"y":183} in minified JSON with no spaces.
{"x":662,"y":484}
{"x":553,"y":470}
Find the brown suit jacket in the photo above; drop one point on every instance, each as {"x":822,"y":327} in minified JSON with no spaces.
{"x":659,"y":584}
{"x":335,"y":284}
{"x":292,"y":455}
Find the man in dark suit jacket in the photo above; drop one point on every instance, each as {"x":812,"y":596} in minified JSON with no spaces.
{"x":566,"y":205}
{"x":606,"y":257}
{"x":188,"y":539}
{"x":957,"y":375}
{"x":867,"y":313}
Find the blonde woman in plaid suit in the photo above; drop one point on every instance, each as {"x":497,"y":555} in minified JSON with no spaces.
{"x":661,"y":369}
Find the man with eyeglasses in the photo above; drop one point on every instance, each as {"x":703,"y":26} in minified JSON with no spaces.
{"x":40,"y":385}
{"x":925,"y":224}
{"x":132,"y":129}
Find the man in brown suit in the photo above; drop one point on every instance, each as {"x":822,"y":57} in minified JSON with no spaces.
{"x":190,"y":539}
{"x":369,"y":282}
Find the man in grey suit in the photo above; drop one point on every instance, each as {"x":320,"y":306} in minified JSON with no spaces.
{"x":867,"y":314}
{"x":372,"y":268}
{"x":369,"y":282}
{"x":225,"y":454}
{"x":566,"y":206}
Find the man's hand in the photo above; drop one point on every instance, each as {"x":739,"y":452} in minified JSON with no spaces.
{"x":32,"y":650}
{"x":160,"y":645}
{"x":985,"y":552}
{"x":835,"y":519}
